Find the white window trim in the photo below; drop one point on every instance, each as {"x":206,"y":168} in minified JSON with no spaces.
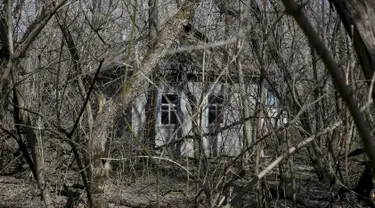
{"x":178,"y":108}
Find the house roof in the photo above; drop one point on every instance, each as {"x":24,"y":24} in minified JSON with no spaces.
{"x":212,"y":62}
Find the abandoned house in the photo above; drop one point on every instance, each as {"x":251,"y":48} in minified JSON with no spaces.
{"x":194,"y":94}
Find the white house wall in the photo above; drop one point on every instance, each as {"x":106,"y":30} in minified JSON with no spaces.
{"x":229,"y":142}
{"x":139,"y":114}
{"x":170,"y":133}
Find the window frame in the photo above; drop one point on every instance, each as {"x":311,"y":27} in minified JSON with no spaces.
{"x":172,"y":109}
{"x":271,"y":99}
{"x":218,"y":110}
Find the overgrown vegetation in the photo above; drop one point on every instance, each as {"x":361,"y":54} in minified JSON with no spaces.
{"x":210,"y":103}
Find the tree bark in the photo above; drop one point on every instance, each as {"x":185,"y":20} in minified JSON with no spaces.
{"x":338,"y":78}
{"x":28,"y":38}
{"x":114,"y":107}
{"x":35,"y":159}
{"x":246,"y":112}
{"x":258,"y":131}
{"x":151,"y":103}
{"x":22,"y":117}
{"x":77,"y":68}
{"x":358,"y":17}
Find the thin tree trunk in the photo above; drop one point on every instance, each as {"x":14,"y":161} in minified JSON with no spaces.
{"x":358,"y":18}
{"x":22,"y":118}
{"x":114,"y":107}
{"x":36,"y":161}
{"x":363,"y":129}
{"x":295,"y":103}
{"x":77,"y":67}
{"x":151,"y":103}
{"x":259,"y":122}
{"x":246,"y":112}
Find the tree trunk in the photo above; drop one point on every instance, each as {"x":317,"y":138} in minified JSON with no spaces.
{"x":338,"y":78}
{"x":35,"y":159}
{"x":151,"y":103}
{"x":74,"y":53}
{"x":114,"y":107}
{"x":246,"y":112}
{"x":258,"y":132}
{"x":358,"y":17}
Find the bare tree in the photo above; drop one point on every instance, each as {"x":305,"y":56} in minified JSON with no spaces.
{"x":207,"y":85}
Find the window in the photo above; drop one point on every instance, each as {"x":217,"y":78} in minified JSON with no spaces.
{"x":271,"y":98}
{"x":128,"y":115}
{"x":215,"y":110}
{"x":169,"y":109}
{"x":264,"y":5}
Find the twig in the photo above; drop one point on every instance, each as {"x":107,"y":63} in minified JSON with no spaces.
{"x":339,"y":82}
{"x":288,"y":153}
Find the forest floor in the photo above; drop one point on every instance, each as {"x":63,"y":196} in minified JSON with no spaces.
{"x":23,"y":193}
{"x":169,"y":190}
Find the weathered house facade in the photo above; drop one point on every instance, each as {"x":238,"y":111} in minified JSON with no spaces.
{"x":197,"y":97}
{"x":188,"y":108}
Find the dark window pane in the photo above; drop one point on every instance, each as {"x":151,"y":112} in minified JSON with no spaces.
{"x":164,"y":99}
{"x":174,"y":119}
{"x":215,"y":110}
{"x":168,"y":98}
{"x":211,"y":116}
{"x":173,"y":99}
{"x":169,"y":108}
{"x":174,"y":108}
{"x":164,"y":117}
